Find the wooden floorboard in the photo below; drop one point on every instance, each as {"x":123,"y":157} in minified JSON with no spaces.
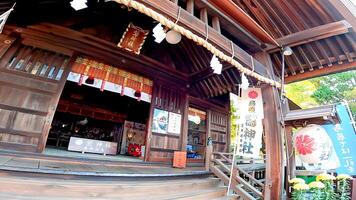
{"x":35,"y":164}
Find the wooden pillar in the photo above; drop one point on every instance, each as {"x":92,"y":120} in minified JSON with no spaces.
{"x":209,"y":148}
{"x":190,"y":6}
{"x":273,"y":134}
{"x":290,"y":156}
{"x":216,"y":24}
{"x":149,"y":123}
{"x":274,"y":145}
{"x":204,"y":15}
{"x":184,"y":133}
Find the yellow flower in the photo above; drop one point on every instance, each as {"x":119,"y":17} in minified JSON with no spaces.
{"x":316,"y":184}
{"x":325,"y":177}
{"x":343,"y":176}
{"x":301,"y":186}
{"x":296,"y":180}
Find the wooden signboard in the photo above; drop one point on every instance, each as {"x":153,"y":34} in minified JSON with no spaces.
{"x":133,"y":38}
{"x":179,"y":159}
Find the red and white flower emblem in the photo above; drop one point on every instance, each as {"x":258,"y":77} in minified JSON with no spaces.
{"x":304,"y":144}
{"x":253,"y":94}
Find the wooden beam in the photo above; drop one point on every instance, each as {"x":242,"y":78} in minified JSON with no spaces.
{"x":321,"y":72}
{"x":346,"y":9}
{"x":313,"y":34}
{"x":198,"y":27}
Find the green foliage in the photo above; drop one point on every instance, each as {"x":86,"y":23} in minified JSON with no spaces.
{"x":316,"y":194}
{"x":299,"y":195}
{"x":300,"y":93}
{"x":325,"y":90}
{"x":328,"y":191}
{"x":233,"y":120}
{"x":343,"y":190}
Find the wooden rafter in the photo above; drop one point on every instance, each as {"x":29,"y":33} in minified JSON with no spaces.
{"x":321,"y":72}
{"x":313,"y":34}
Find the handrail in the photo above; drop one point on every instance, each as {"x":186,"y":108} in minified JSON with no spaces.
{"x":249,"y":176}
{"x":244,"y":183}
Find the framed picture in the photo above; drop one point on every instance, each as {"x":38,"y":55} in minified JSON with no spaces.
{"x":160,"y":121}
{"x":174,"y":123}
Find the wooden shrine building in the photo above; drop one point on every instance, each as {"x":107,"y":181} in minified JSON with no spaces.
{"x":96,"y":76}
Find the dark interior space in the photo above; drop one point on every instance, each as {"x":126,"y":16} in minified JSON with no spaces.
{"x":86,"y":112}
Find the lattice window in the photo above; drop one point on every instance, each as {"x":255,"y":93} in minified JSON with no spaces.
{"x":35,"y":61}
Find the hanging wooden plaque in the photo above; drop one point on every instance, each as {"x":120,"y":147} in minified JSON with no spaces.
{"x":133,"y":38}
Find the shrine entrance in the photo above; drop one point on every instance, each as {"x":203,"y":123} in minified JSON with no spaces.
{"x":100,"y":117}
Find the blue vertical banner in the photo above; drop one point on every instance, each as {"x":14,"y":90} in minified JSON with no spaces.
{"x":343,"y":137}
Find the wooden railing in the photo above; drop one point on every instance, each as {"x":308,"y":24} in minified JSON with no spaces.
{"x":248,"y":175}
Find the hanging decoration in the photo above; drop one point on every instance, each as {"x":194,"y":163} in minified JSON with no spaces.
{"x":249,"y":137}
{"x":244,"y":82}
{"x":174,"y":37}
{"x":133,"y":39}
{"x":312,"y":144}
{"x":4,"y":17}
{"x":104,"y":76}
{"x":216,"y":65}
{"x":78,"y":4}
{"x":158,"y":33}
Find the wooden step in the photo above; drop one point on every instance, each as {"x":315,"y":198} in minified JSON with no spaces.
{"x":30,"y":188}
{"x":230,"y":197}
{"x":204,"y":194}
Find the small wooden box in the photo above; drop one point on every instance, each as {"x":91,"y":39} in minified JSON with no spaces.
{"x":179,"y":159}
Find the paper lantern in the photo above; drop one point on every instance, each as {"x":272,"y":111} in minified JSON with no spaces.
{"x":173,"y":37}
{"x":312,"y":144}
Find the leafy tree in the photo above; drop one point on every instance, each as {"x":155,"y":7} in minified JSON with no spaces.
{"x":325,"y":90}
{"x":336,"y":88}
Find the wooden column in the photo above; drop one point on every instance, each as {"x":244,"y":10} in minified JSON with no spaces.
{"x":273,"y":139}
{"x":149,"y":123}
{"x":190,"y":6}
{"x":204,"y":15}
{"x":184,"y":133}
{"x":216,"y":24}
{"x":209,"y":148}
{"x":274,"y":145}
{"x":290,"y":156}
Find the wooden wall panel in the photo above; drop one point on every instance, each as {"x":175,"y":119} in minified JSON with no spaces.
{"x":165,"y":142}
{"x":162,"y":146}
{"x":5,"y":117}
{"x":219,"y":131}
{"x":31,"y":100}
{"x":28,"y":122}
{"x":18,"y":139}
{"x":31,"y":81}
{"x":23,"y":81}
